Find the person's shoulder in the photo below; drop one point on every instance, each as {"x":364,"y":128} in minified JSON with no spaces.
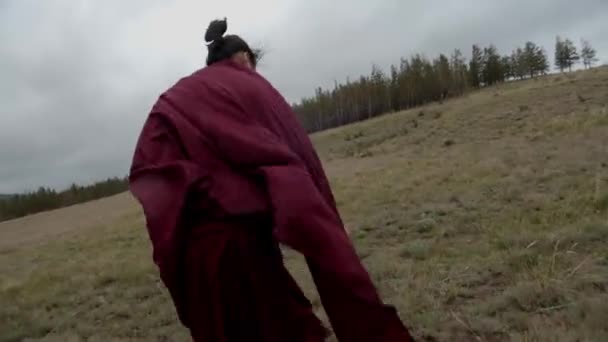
{"x":197,"y":75}
{"x":185,"y":84}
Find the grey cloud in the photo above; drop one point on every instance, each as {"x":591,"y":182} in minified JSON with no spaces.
{"x":60,"y":106}
{"x":78,"y":80}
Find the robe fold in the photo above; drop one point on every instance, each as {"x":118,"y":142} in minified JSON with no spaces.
{"x":224,"y":172}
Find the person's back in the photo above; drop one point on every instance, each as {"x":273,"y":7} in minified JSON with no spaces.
{"x":224,"y":173}
{"x":259,"y":102}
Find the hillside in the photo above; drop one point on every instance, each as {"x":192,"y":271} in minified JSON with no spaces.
{"x":484,"y":218}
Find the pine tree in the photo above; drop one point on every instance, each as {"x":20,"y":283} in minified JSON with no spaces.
{"x":444,"y":74}
{"x":459,"y":72}
{"x":518,"y":64}
{"x":507,"y":68}
{"x":475,"y":67}
{"x":587,"y":54}
{"x":541,"y":61}
{"x":560,"y":55}
{"x":379,"y":91}
{"x":431,"y":83}
{"x":530,"y":58}
{"x":394,"y":88}
{"x":492,"y":69}
{"x":570,"y":55}
{"x":417,"y":80}
{"x":534,"y":60}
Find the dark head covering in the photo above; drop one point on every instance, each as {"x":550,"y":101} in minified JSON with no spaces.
{"x":223,"y":47}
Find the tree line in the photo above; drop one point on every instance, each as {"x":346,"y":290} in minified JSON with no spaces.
{"x":419,"y":80}
{"x":43,"y":199}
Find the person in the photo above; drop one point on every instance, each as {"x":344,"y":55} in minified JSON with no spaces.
{"x":225,"y":173}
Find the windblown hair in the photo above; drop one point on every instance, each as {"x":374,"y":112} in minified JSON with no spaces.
{"x":223,"y":47}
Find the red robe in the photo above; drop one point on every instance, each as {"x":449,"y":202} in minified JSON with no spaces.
{"x":224,"y":172}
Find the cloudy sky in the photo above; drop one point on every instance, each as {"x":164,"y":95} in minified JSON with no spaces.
{"x":77,"y":77}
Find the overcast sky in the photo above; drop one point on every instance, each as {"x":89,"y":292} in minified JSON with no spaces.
{"x":77,"y":77}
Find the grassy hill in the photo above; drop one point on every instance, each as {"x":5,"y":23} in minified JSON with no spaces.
{"x":484,"y":218}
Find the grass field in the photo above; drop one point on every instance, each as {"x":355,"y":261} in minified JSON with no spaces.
{"x":484,"y":218}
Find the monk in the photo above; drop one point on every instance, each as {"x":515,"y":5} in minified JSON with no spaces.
{"x":225,"y":173}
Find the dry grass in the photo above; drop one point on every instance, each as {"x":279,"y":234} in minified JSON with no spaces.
{"x":54,"y":224}
{"x":484,"y":219}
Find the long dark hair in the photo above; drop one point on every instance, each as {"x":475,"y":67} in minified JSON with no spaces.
{"x":222,"y":47}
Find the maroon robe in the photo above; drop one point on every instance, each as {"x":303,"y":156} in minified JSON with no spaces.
{"x":224,"y":173}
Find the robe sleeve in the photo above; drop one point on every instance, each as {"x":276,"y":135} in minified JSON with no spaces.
{"x":302,"y":215}
{"x":307,"y":222}
{"x":172,"y":189}
{"x":166,"y":182}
